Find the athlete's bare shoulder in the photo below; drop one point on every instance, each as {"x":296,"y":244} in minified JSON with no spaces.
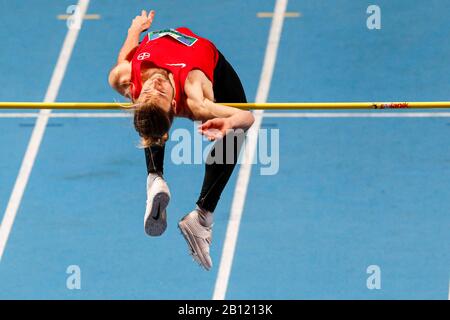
{"x":197,"y":78}
{"x":119,"y":78}
{"x":196,"y":75}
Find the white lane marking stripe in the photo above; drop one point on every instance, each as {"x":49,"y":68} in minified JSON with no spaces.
{"x":38,"y":132}
{"x":8,"y":115}
{"x":240,"y":191}
{"x":92,"y":115}
{"x":67,"y":115}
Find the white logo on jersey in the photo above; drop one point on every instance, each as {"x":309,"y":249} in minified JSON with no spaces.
{"x":143,"y":55}
{"x":182,"y":65}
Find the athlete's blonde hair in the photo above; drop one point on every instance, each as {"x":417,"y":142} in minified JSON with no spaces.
{"x":152,"y":123}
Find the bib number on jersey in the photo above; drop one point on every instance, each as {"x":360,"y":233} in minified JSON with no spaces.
{"x":180,"y":37}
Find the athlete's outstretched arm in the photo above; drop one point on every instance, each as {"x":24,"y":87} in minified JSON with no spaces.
{"x":139,"y":24}
{"x":216,"y":118}
{"x":224,"y":118}
{"x":120,"y":75}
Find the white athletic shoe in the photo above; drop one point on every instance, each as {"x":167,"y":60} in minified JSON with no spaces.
{"x":198,"y":237}
{"x":158,"y":197}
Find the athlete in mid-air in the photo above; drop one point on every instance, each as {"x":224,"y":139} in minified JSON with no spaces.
{"x":176,"y":73}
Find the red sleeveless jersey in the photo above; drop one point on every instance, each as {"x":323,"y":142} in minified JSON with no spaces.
{"x":177,"y":51}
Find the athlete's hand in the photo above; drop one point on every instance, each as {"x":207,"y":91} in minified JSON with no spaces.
{"x":215,"y":128}
{"x":143,"y":22}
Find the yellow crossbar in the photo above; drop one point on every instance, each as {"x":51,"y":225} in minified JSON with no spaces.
{"x":246,"y":106}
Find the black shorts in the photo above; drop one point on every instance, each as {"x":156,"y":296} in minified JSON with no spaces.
{"x":227,"y":86}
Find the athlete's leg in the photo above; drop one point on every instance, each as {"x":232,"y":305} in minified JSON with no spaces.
{"x":227,"y":88}
{"x":154,"y":157}
{"x":196,"y":226}
{"x":158,"y":194}
{"x":218,"y":169}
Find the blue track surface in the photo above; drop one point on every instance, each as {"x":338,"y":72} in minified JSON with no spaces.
{"x":350,"y":192}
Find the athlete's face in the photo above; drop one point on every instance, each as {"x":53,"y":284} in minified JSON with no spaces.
{"x":158,"y":89}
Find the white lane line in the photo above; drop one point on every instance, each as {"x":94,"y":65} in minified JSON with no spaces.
{"x":38,"y":133}
{"x":92,"y":115}
{"x":240,"y":191}
{"x":68,"y":115}
{"x":357,"y":115}
{"x":286,"y":15}
{"x":8,"y":115}
{"x":85,"y":17}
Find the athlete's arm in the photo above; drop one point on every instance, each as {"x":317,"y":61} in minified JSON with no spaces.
{"x":217,"y":127}
{"x":139,"y":24}
{"x":120,"y":75}
{"x":216,"y":118}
